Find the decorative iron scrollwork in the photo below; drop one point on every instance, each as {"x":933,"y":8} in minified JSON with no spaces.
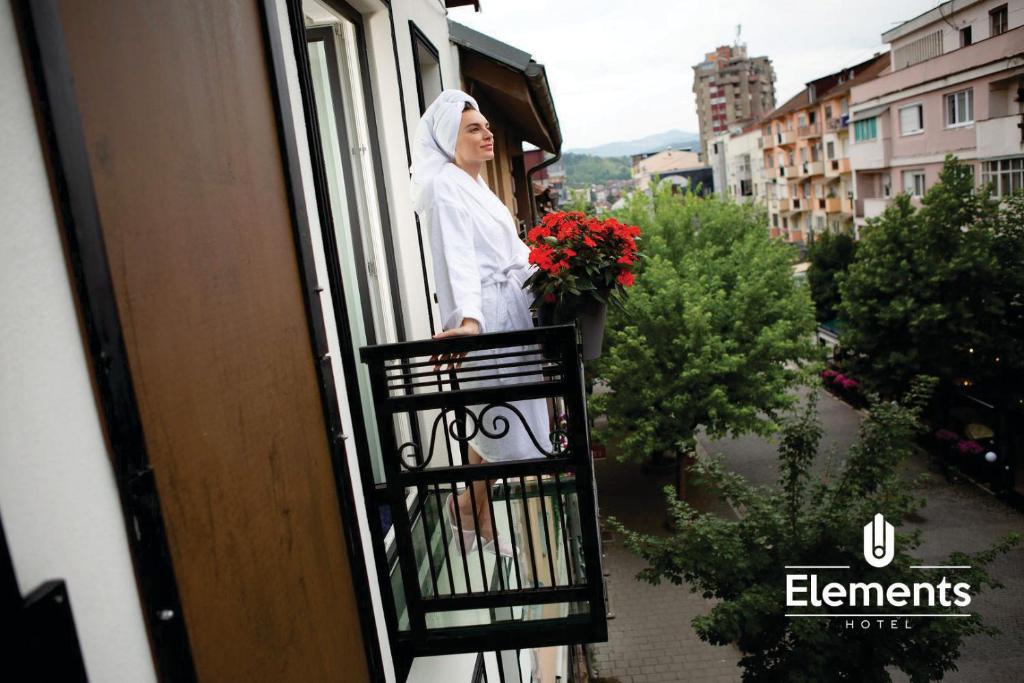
{"x":558,"y":437}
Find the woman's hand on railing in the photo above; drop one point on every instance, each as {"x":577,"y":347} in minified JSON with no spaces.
{"x":469,"y":326}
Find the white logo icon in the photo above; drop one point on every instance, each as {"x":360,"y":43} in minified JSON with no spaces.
{"x":879,"y":542}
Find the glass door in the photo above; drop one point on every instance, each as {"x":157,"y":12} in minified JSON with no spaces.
{"x":334,"y":68}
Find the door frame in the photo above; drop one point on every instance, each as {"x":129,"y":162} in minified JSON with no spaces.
{"x":60,"y":126}
{"x":68,"y":161}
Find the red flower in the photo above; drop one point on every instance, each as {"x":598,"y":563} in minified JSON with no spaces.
{"x":625,"y":278}
{"x":550,"y":298}
{"x":589,"y":242}
{"x":625,"y":259}
{"x":537,"y":234}
{"x":570,"y":253}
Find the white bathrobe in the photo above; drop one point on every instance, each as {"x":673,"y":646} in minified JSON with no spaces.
{"x":480,"y":265}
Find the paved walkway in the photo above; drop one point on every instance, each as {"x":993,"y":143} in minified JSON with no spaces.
{"x":650,"y":638}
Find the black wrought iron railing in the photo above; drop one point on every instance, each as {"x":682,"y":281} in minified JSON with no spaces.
{"x":517,"y":564}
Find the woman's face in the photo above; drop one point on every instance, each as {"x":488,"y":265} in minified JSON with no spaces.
{"x":475,"y":142}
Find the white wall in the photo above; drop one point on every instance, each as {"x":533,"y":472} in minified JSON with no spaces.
{"x":58,"y":498}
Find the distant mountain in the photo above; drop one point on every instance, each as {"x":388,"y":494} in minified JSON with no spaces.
{"x":652,"y":143}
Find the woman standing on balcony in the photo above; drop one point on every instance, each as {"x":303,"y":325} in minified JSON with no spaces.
{"x":480,"y":265}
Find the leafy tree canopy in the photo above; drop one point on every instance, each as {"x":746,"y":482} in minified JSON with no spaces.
{"x":937,"y":290}
{"x":714,"y":331}
{"x":830,"y":254}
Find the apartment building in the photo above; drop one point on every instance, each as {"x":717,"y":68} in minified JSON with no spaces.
{"x":805,"y":146}
{"x":223,"y":456}
{"x":736,"y":163}
{"x":731,"y":88}
{"x":955,"y":86}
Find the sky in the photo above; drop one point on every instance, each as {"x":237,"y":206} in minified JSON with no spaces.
{"x":622,"y":69}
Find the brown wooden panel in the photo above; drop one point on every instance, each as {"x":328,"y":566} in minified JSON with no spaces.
{"x":176,"y":103}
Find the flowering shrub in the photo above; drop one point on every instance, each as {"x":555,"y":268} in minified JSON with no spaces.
{"x":581,"y":256}
{"x":946,"y":435}
{"x":839,"y":381}
{"x":847,"y":383}
{"x":969,"y":447}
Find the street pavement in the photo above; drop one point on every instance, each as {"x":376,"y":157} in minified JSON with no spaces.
{"x":650,"y":637}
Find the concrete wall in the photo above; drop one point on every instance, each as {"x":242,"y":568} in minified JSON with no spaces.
{"x":961,"y":14}
{"x":58,"y":497}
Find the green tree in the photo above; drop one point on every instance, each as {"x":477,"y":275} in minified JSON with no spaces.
{"x":936,"y":290}
{"x":830,"y":254}
{"x":814,"y":520}
{"x":714,"y":332}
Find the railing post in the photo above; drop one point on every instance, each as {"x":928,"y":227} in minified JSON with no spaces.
{"x":396,"y":499}
{"x":587,"y":504}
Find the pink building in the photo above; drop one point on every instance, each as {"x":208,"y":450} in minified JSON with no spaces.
{"x":955,"y":86}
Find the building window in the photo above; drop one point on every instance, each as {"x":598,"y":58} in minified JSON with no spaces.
{"x":913,"y":183}
{"x":427,"y":64}
{"x":1006,"y":175}
{"x":886,"y":185}
{"x":775,"y":220}
{"x":998,"y":20}
{"x":960,"y":108}
{"x":830,"y":149}
{"x":965,"y":36}
{"x":866,"y":129}
{"x":911,"y":119}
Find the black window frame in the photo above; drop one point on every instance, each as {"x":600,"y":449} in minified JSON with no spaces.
{"x":419,"y":40}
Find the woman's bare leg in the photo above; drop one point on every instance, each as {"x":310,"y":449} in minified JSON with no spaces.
{"x":483,"y":511}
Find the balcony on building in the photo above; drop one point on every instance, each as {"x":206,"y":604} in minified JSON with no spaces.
{"x":790,"y":205}
{"x":767,"y":141}
{"x":829,"y":204}
{"x":808,"y":169}
{"x":811,"y":130}
{"x":1000,"y":136}
{"x":872,"y":207}
{"x":836,"y":167}
{"x":786,"y":171}
{"x":786,"y":137}
{"x":836,"y":125}
{"x":447,"y":592}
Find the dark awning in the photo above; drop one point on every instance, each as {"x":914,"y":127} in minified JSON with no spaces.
{"x":513,"y":81}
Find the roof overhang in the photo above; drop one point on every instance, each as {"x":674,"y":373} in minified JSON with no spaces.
{"x":462,"y":3}
{"x":513,"y":81}
{"x":870,"y":112}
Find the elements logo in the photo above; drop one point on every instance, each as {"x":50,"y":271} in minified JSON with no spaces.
{"x":879,"y":542}
{"x":868,"y":604}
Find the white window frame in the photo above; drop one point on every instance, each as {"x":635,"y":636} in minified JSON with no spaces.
{"x":1003,"y":173}
{"x":969,"y":100}
{"x":899,"y":117}
{"x":913,"y":175}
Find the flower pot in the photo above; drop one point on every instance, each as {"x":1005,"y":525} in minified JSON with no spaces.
{"x":588,"y":314}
